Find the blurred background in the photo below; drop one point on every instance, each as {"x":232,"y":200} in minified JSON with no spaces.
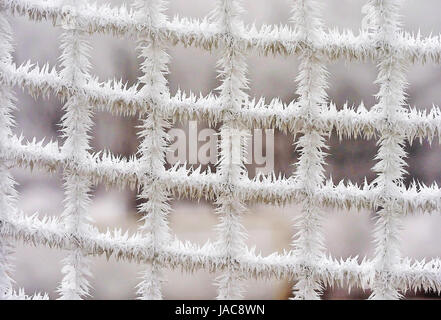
{"x":269,"y":228}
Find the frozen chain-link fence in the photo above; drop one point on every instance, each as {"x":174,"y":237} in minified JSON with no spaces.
{"x":311,"y":116}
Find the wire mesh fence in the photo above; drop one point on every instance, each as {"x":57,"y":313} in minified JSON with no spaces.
{"x":312,"y":117}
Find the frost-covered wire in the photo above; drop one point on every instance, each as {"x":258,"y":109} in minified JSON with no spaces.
{"x":231,"y":169}
{"x":76,"y":123}
{"x":114,"y":96}
{"x":409,"y":275}
{"x":308,"y":242}
{"x":267,"y":40}
{"x":152,"y":149}
{"x":8,"y":194}
{"x":382,"y":19}
{"x":114,"y":171}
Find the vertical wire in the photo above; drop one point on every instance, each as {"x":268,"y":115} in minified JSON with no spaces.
{"x":308,"y":242}
{"x":76,"y":124}
{"x":155,"y":207}
{"x":382,"y":19}
{"x":8,"y":194}
{"x":231,"y":169}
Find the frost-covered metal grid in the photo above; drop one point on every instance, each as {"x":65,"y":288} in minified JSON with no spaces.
{"x":312,"y":116}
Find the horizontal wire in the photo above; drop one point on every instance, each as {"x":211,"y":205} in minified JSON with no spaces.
{"x":269,"y":39}
{"x":116,"y":97}
{"x":193,"y":183}
{"x":189,"y":257}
